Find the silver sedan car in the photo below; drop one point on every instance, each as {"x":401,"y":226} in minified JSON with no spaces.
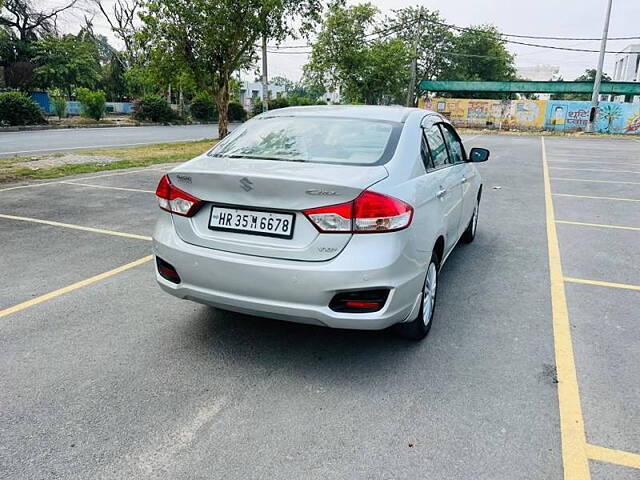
{"x":339,"y":216}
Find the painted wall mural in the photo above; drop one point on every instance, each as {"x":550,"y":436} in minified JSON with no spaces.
{"x":613,"y":117}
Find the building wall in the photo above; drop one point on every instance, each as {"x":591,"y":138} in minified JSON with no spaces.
{"x":613,"y":117}
{"x":627,"y":68}
{"x":252,"y":90}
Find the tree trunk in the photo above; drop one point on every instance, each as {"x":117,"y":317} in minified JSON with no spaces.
{"x":221,"y":97}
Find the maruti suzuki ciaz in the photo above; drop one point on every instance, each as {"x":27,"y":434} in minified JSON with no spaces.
{"x":339,"y":216}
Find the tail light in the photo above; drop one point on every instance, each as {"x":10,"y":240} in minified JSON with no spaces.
{"x":174,"y":200}
{"x":369,"y":213}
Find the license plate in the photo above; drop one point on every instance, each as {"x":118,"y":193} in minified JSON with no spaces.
{"x":255,"y":222}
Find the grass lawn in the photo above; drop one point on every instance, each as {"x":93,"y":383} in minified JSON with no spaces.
{"x":54,"y":165}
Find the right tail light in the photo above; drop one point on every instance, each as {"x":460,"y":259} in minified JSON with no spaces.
{"x":371,"y":212}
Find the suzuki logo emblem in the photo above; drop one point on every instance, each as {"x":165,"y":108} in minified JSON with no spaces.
{"x":246,"y":184}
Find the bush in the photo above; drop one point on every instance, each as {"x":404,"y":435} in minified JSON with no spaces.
{"x":153,"y":108}
{"x":59,"y":106}
{"x":256,"y":106}
{"x":203,"y":109}
{"x":279,"y":102}
{"x":93,"y":103}
{"x":321,"y":102}
{"x":236,"y":112}
{"x":18,"y":109}
{"x":295,"y":100}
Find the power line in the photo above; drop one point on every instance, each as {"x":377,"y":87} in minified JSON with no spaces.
{"x":527,"y":44}
{"x":389,"y":31}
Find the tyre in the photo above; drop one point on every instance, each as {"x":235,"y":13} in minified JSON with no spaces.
{"x":420,"y":326}
{"x":470,"y":233}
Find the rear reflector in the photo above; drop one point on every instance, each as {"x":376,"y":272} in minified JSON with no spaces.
{"x":371,"y":212}
{"x":174,"y":200}
{"x":167,"y":271}
{"x":363,"y":301}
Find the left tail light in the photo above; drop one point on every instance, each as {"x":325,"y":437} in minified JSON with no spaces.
{"x":174,"y":200}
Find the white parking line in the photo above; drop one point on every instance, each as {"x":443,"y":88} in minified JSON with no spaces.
{"x":594,"y":170}
{"x":595,"y":163}
{"x":597,"y":225}
{"x":126,"y":172}
{"x":107,"y":187}
{"x":594,"y":181}
{"x":620,"y":199}
{"x":76,"y":227}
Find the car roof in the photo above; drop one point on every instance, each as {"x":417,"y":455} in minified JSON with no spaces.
{"x":366,"y":112}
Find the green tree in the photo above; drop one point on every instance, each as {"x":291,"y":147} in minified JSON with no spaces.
{"x":366,"y":71}
{"x":589,"y":75}
{"x":433,"y":40}
{"x":480,"y":54}
{"x":93,"y":103}
{"x":114,"y":80}
{"x":282,"y":82}
{"x":211,"y":39}
{"x":66,"y":63}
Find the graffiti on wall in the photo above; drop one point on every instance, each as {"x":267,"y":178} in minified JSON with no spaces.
{"x":613,"y":117}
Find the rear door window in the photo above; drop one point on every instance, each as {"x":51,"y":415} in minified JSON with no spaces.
{"x":454,"y":145}
{"x":437,"y":147}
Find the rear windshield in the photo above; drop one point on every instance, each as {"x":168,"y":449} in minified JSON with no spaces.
{"x":340,"y":140}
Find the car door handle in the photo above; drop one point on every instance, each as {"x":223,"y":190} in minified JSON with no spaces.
{"x":464,"y":180}
{"x":441,"y":193}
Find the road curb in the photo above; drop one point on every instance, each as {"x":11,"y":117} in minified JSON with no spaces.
{"x":28,"y":128}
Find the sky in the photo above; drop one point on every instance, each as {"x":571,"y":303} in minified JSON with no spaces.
{"x":566,"y":18}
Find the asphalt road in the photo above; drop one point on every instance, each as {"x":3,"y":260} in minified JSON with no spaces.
{"x":63,"y":140}
{"x":111,"y":378}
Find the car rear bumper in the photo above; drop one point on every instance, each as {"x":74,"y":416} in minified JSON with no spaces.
{"x":294,"y":290}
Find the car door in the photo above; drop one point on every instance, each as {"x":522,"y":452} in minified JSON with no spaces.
{"x":443,"y":180}
{"x":465,"y":172}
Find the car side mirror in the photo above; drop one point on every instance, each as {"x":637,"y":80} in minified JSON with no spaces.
{"x":478,"y":155}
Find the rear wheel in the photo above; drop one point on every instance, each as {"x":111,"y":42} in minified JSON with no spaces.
{"x":470,"y":233}
{"x":420,"y":326}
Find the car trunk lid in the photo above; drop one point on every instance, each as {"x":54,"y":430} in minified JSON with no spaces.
{"x":273,"y":186}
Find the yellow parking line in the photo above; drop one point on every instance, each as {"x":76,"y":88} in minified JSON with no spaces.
{"x":76,"y":227}
{"x":72,"y":287}
{"x":107,"y":187}
{"x":598,"y":225}
{"x":595,"y":170}
{"x":597,"y":197}
{"x":594,"y":181}
{"x":574,"y":457}
{"x":599,"y":283}
{"x":617,"y":457}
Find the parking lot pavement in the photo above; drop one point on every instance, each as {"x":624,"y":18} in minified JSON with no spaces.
{"x":63,"y":140}
{"x":105,"y":376}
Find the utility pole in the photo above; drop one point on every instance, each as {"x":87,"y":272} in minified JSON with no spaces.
{"x":265,"y":83}
{"x":596,"y":84}
{"x":414,"y":64}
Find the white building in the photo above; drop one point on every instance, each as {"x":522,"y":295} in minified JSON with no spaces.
{"x":249,"y":91}
{"x":539,"y":73}
{"x":627,"y":68}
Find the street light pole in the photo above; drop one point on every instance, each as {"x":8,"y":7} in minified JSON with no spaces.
{"x":414,"y":65}
{"x":596,"y":84}
{"x":265,"y":83}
